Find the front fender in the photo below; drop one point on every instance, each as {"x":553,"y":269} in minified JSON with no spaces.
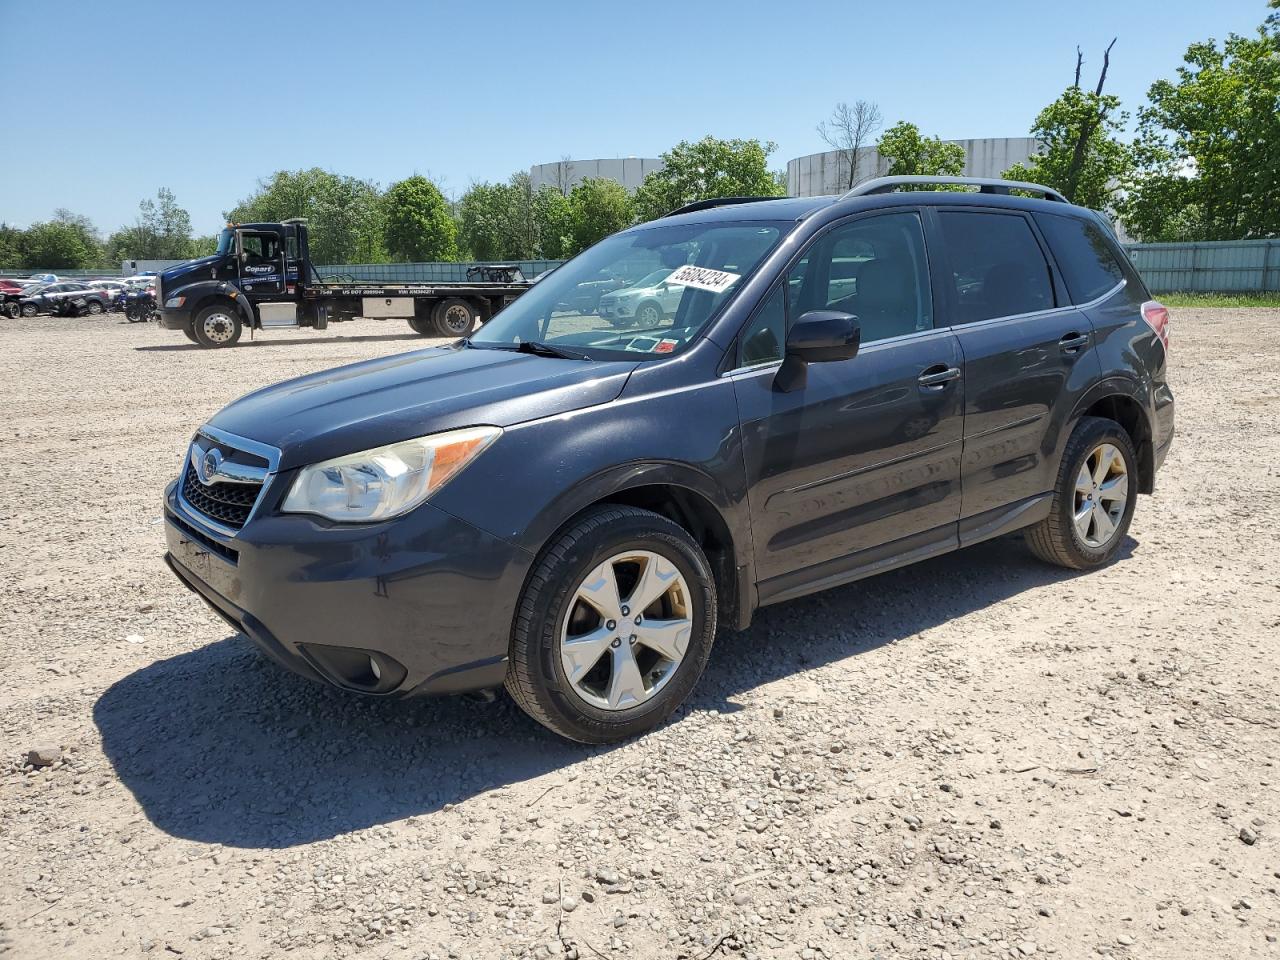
{"x":203,"y":292}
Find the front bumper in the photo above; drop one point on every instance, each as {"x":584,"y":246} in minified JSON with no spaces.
{"x":174,"y":318}
{"x":418,"y":605}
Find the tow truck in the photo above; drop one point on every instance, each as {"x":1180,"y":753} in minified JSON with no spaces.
{"x":261,"y":277}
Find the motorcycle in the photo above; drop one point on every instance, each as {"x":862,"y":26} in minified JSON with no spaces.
{"x":140,"y":306}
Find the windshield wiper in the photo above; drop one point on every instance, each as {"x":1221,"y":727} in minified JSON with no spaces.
{"x":549,"y":350}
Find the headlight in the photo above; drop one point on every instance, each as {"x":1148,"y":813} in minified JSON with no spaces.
{"x":387,"y":481}
{"x":175,"y":301}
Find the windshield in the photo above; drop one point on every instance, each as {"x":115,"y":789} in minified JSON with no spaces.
{"x":226,"y":241}
{"x":571,"y":308}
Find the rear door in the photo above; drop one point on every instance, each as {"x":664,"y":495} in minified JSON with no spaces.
{"x":861,"y":466}
{"x":1027,"y":352}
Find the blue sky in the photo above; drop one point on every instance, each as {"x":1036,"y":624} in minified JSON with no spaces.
{"x":118,"y":99}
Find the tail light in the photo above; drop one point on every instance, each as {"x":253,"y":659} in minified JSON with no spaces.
{"x":1157,"y":316}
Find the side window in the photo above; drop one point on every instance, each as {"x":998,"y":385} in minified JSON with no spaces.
{"x":251,"y":243}
{"x":874,"y":268}
{"x":765,"y":335}
{"x":1084,"y":256}
{"x":996,"y":265}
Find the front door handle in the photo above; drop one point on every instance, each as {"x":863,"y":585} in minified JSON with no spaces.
{"x":937,"y":377}
{"x":1073,"y":342}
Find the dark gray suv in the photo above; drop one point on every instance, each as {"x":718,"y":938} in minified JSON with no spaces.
{"x":572,"y":508}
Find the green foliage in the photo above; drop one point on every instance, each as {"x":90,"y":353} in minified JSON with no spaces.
{"x":161,"y":232}
{"x":68,"y":242}
{"x":420,"y":226}
{"x":345,"y":215}
{"x":1083,"y":157}
{"x":512,"y":221}
{"x":204,"y":246}
{"x":11,"y":240}
{"x":704,"y":170}
{"x":1197,"y":299}
{"x":911,"y":154}
{"x":598,"y":207}
{"x":1208,"y":148}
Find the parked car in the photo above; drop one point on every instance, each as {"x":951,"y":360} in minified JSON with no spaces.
{"x":846,"y":385}
{"x":645,"y":303}
{"x":66,"y":298}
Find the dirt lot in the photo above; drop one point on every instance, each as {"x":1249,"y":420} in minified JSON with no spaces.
{"x":976,"y":757}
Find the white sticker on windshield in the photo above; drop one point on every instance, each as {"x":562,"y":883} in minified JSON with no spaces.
{"x":701,"y":278}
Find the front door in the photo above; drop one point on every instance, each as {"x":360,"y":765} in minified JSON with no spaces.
{"x":262,"y":270}
{"x":1025,"y":349}
{"x":859,"y":468}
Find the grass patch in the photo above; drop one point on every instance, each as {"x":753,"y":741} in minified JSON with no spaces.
{"x":1193,"y":299}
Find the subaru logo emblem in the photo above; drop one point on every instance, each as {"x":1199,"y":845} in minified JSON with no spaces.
{"x":210,"y":465}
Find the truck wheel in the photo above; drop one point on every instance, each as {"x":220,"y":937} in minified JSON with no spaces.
{"x":454,"y":317}
{"x":1093,"y":499}
{"x":29,"y":310}
{"x":188,"y":333}
{"x":218,"y":326}
{"x":614,"y":626}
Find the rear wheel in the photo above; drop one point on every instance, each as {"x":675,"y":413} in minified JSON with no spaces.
{"x":614,"y":626}
{"x":29,"y":310}
{"x":218,"y":326}
{"x":12,"y":310}
{"x":94,"y":308}
{"x":454,"y":317}
{"x":1093,"y":500}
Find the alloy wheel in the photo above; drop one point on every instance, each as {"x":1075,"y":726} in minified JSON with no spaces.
{"x":218,"y":327}
{"x":627,"y":630}
{"x":1102,"y":491}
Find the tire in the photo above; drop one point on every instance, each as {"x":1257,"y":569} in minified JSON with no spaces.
{"x":218,"y":325}
{"x":454,"y":317}
{"x":93,"y":308}
{"x":12,"y":310}
{"x":1073,"y":536}
{"x":648,"y":314}
{"x":551,"y":608}
{"x":421,"y":322}
{"x":29,"y":310}
{"x":188,"y":333}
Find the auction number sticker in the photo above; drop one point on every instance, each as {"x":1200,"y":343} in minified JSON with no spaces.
{"x":702,"y":278}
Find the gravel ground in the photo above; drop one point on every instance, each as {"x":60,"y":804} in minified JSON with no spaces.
{"x":979,"y":756}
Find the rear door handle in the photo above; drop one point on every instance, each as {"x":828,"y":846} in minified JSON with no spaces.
{"x":937,"y":377}
{"x":1072,"y":342}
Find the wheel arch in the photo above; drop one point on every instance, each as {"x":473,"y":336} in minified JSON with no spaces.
{"x":1121,"y":400}
{"x":208,"y":293}
{"x":686,"y":497}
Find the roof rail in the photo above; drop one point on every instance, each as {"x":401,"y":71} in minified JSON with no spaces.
{"x":716,"y":202}
{"x":984,"y":185}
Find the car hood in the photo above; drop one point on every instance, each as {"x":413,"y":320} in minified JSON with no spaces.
{"x":364,"y":405}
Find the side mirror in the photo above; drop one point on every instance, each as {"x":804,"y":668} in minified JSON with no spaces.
{"x":819,"y":336}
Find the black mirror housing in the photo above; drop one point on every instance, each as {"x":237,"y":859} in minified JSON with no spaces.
{"x":818,"y":336}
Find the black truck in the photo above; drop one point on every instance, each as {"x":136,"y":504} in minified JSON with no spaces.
{"x":261,"y":278}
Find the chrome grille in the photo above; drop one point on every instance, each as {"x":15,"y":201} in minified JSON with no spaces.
{"x":223,"y":477}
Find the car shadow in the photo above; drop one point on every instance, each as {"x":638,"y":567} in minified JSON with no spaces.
{"x":219,"y":745}
{"x":368,"y":338}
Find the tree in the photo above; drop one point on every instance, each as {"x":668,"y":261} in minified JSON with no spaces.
{"x":598,"y":208}
{"x":1082,"y":156}
{"x":849,"y":130}
{"x":911,"y":154}
{"x":11,"y":239}
{"x":161,"y":232}
{"x":1208,"y":147}
{"x":513,"y":221}
{"x":345,"y":215}
{"x":420,"y":227}
{"x":61,"y":243}
{"x":706,"y":169}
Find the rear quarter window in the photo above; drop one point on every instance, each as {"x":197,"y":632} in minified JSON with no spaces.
{"x":1085,"y":257}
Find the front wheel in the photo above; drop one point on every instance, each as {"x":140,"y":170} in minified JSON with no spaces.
{"x":218,"y":326}
{"x":648,"y":315}
{"x":1093,"y":500}
{"x":614,"y":626}
{"x":94,"y":308}
{"x":29,"y":310}
{"x":12,"y":311}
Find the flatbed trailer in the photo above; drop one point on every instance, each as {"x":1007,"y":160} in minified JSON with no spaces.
{"x":261,"y":278}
